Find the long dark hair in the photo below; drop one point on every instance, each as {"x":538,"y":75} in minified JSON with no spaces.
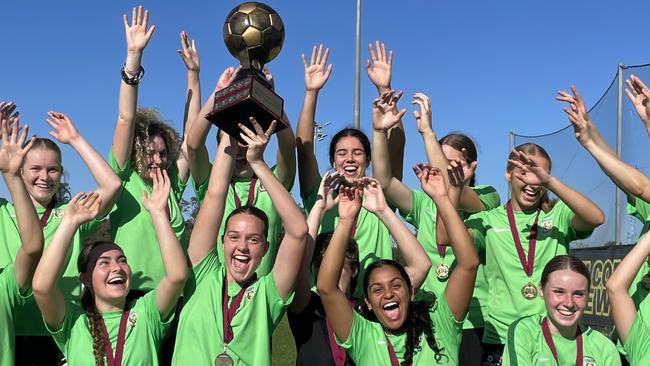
{"x":251,"y":210}
{"x":562,"y":262}
{"x":352,"y":132}
{"x":418,"y":320}
{"x":88,"y":301}
{"x":459,"y":142}
{"x":529,"y":148}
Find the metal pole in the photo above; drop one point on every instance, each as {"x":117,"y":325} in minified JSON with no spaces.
{"x":619,"y":133}
{"x":357,"y":61}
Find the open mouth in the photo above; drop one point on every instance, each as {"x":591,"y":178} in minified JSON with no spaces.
{"x":240,"y":262}
{"x":530,"y":193}
{"x":350,"y":170}
{"x":566,"y":313}
{"x":116,"y":281}
{"x":391,"y":310}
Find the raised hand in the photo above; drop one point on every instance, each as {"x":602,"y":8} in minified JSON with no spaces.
{"x":639,"y":95}
{"x":378,"y":67}
{"x":64,"y":130}
{"x":188,"y":53}
{"x":325,"y":197}
{"x":9,"y":109}
{"x":349,"y":202}
{"x":157,"y":200}
{"x":530,"y":173}
{"x":316,"y":73}
{"x":385,"y":114}
{"x":583,"y":128}
{"x":227,"y":77}
{"x":423,"y":116}
{"x":269,"y":77}
{"x":257,"y":140}
{"x":13,"y":149}
{"x":373,"y":196}
{"x":431,"y":180}
{"x":137,"y":34}
{"x":82,"y":208}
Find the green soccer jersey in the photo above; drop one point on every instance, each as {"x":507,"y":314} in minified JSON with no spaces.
{"x":200,"y":336}
{"x":503,"y":270}
{"x":144,"y":332}
{"x":132,"y":229}
{"x":372,"y":237}
{"x":261,"y":200}
{"x":28,"y":317}
{"x":10,"y":300}
{"x":526,"y":346}
{"x":366,"y":343}
{"x":637,"y":344}
{"x":423,"y":217}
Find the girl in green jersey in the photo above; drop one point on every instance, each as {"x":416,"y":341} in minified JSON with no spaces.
{"x":633,"y":326}
{"x":16,"y":278}
{"x":389,"y":291}
{"x":556,"y":335}
{"x":90,"y":333}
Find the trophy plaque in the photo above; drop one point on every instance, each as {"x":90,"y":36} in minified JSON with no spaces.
{"x":253,"y":33}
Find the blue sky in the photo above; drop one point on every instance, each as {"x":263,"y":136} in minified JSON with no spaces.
{"x":489,"y":67}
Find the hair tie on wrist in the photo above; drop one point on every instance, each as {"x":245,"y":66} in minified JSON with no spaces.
{"x":130,"y":77}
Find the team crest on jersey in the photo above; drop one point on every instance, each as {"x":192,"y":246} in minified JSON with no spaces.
{"x":58,"y":213}
{"x":262,"y":189}
{"x":547,"y":225}
{"x":133,"y":317}
{"x":589,"y":361}
{"x":249,"y":293}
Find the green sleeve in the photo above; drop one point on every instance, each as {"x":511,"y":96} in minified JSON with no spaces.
{"x":208,"y":266}
{"x":177,"y":185}
{"x":488,"y":195}
{"x":519,"y":345}
{"x":276,"y":305}
{"x":122,"y":172}
{"x":564,"y":217}
{"x":360,"y":332}
{"x":200,"y":189}
{"x":447,"y":329}
{"x":62,"y":336}
{"x":638,"y":208}
{"x":637,"y":343}
{"x":308,"y":200}
{"x":420,"y":201}
{"x":156,"y":325}
{"x":9,"y":286}
{"x":477,"y":226}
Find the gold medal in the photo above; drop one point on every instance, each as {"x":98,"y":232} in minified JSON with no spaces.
{"x":529,"y":291}
{"x":645,"y":281}
{"x":442,"y":271}
{"x":223,"y":360}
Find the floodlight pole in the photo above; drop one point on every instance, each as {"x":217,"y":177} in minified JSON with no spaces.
{"x":357,"y":60}
{"x":619,"y":133}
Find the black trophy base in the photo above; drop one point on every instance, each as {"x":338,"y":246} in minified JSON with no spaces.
{"x":246,"y":97}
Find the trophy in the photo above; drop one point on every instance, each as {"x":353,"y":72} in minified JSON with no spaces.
{"x":253,"y":33}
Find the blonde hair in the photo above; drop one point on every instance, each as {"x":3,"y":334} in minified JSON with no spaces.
{"x":148,"y":124}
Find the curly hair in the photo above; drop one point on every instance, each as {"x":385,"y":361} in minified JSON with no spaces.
{"x":418,"y":321}
{"x":149,"y":123}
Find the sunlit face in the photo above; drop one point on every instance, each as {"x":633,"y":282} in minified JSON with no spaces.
{"x":527,"y":195}
{"x":242,"y":167}
{"x":456,"y":155}
{"x":388,"y":297}
{"x":350,"y":158}
{"x":111,"y":278}
{"x":41,"y":174}
{"x":244,"y":246}
{"x":565,"y":297}
{"x":156,"y":154}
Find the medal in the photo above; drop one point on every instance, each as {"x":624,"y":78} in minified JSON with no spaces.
{"x":442,"y":271}
{"x":529,"y":291}
{"x":223,"y":360}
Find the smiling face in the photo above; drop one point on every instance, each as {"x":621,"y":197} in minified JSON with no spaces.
{"x":350,"y":158}
{"x":565,"y":296}
{"x":41,"y":174}
{"x":389,"y":297}
{"x":526,"y":197}
{"x":111,"y":278}
{"x":244,"y":246}
{"x":156,"y":155}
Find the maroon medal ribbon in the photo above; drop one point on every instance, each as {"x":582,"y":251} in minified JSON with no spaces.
{"x":228,"y":312}
{"x":391,"y":353}
{"x":549,"y":341}
{"x":526,"y":264}
{"x":251,"y":193}
{"x":338,"y":354}
{"x":441,"y":248}
{"x":47,"y":213}
{"x":354,"y":227}
{"x":119,"y":347}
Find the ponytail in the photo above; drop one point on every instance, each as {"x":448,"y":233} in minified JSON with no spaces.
{"x":94,"y":324}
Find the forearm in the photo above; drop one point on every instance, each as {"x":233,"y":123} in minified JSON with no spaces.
{"x":457,"y":235}
{"x":396,"y":141}
{"x":381,"y":162}
{"x":286,"y":156}
{"x":171,"y":252}
{"x":619,"y":282}
{"x":586,"y":211}
{"x":469,"y":201}
{"x":196,"y":135}
{"x":434,"y":152}
{"x":629,"y":179}
{"x":192,"y":100}
{"x":305,"y":128}
{"x":415,"y":258}
{"x":52,"y":263}
{"x":332,"y":263}
{"x":31,"y":237}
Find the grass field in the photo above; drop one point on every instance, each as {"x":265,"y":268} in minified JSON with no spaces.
{"x":284,"y":349}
